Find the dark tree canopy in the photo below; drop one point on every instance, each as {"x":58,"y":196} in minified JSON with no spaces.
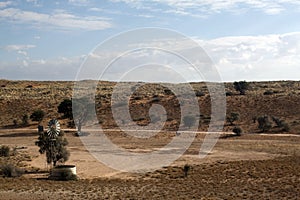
{"x":233,"y":117}
{"x":55,"y":150}
{"x":264,"y":123}
{"x":65,"y":107}
{"x":37,"y":115}
{"x":241,"y":86}
{"x":80,"y":110}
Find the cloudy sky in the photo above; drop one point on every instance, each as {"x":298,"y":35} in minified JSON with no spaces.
{"x":246,"y":39}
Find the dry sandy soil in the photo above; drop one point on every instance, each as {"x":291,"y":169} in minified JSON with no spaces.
{"x":252,"y":166}
{"x":247,"y":167}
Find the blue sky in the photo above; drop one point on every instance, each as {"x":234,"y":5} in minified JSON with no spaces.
{"x":246,"y":39}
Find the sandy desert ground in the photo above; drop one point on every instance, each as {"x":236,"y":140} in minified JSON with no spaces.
{"x":248,"y":167}
{"x":253,"y":166}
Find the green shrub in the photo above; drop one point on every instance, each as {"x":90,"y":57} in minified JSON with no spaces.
{"x":9,"y":170}
{"x":268,"y":92}
{"x":25,"y":119}
{"x":264,"y":123}
{"x":200,"y":94}
{"x":186,"y":169}
{"x":286,"y":127}
{"x":241,"y":86}
{"x":37,"y":115}
{"x":233,"y":117}
{"x":4,"y":151}
{"x":237,"y":130}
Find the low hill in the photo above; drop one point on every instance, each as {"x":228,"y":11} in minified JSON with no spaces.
{"x":276,"y":99}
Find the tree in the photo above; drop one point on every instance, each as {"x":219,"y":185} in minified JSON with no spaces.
{"x":237,"y":130}
{"x":186,"y":169}
{"x":189,"y":120}
{"x":241,"y":86}
{"x":37,"y":115}
{"x":78,"y":110}
{"x":264,"y":123}
{"x":281,"y":124}
{"x":233,"y":117}
{"x":55,"y":150}
{"x":82,"y":110}
{"x":25,"y":119}
{"x":65,"y":107}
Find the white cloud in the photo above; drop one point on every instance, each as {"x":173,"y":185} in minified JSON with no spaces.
{"x":16,"y":47}
{"x":60,"y":68}
{"x":37,"y":37}
{"x":207,"y":7}
{"x":57,"y":20}
{"x":79,"y":2}
{"x":267,"y":57}
{"x":256,"y":57}
{"x":5,"y":4}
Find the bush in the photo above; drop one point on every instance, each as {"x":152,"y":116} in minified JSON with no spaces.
{"x":186,"y":169}
{"x":233,"y":117}
{"x":268,"y":92}
{"x":200,"y":94}
{"x":286,"y":127}
{"x":25,"y":119}
{"x":229,"y":94}
{"x":9,"y":170}
{"x":37,"y":115}
{"x":4,"y":151}
{"x":55,"y":150}
{"x":237,"y":130}
{"x":279,"y":123}
{"x":241,"y":86}
{"x":264,"y":123}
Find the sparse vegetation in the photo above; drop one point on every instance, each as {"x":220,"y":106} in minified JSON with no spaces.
{"x":37,"y":115}
{"x":241,"y":86}
{"x":264,"y":123}
{"x":237,"y":130}
{"x":55,"y":150}
{"x":4,"y":151}
{"x":234,"y":116}
{"x":10,"y":170}
{"x":186,"y":169}
{"x":268,"y":92}
{"x":82,"y":113}
{"x":65,"y":107}
{"x":25,"y":119}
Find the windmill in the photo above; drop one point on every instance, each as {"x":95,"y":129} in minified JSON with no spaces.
{"x":52,"y":133}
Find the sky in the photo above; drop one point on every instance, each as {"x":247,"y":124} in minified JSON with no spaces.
{"x":245,"y":39}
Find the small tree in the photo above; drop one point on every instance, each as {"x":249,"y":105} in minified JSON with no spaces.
{"x":281,"y":124}
{"x":25,"y":119}
{"x":233,"y":117}
{"x":37,"y":115}
{"x":65,"y":107}
{"x":4,"y":151}
{"x":237,"y":130}
{"x":264,"y":123}
{"x":189,"y":120}
{"x":241,"y":86}
{"x":186,"y":169}
{"x":82,"y":112}
{"x":55,"y":150}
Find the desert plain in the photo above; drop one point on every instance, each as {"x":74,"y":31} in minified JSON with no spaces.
{"x":256,"y":165}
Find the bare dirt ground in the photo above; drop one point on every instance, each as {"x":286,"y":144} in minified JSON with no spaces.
{"x":252,"y":166}
{"x":247,"y":167}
